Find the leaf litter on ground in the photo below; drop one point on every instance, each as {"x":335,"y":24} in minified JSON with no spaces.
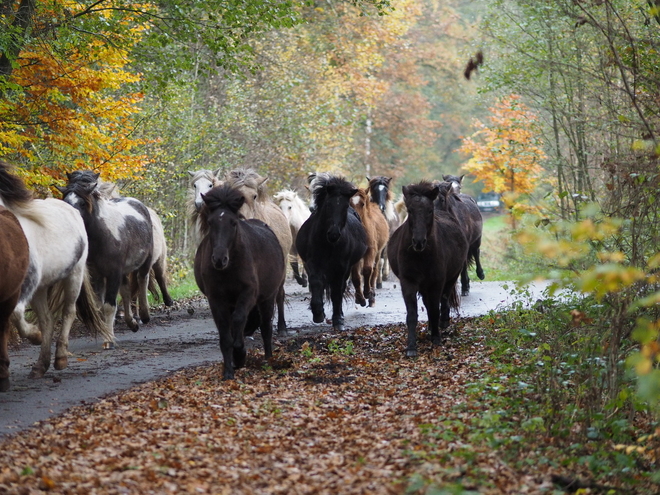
{"x":329,"y":414}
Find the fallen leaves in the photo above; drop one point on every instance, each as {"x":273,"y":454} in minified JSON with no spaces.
{"x":314,"y":419}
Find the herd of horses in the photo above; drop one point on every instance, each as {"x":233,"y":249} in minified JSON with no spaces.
{"x":74,"y":256}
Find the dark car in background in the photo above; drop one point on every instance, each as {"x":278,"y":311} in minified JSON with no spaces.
{"x":489,"y":201}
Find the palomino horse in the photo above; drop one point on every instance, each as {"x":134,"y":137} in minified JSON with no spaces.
{"x":330,"y":242}
{"x":120,"y":237}
{"x":296,"y":212}
{"x":240,"y":268}
{"x":427,"y":253}
{"x":378,"y":232}
{"x":259,"y":205}
{"x":14,"y":261}
{"x":57,"y":283}
{"x":381,"y":194}
{"x":465,"y":208}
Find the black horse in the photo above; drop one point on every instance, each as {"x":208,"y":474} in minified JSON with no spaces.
{"x":120,"y":237}
{"x":427,"y":253}
{"x":240,"y":268}
{"x":465,"y":208}
{"x":330,"y":242}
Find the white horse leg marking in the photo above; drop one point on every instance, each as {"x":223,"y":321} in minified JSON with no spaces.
{"x":109,"y":311}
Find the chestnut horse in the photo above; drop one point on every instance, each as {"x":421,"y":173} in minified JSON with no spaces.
{"x":378,"y":232}
{"x":240,"y":268}
{"x":381,"y":194}
{"x":14,"y":261}
{"x":427,"y":253}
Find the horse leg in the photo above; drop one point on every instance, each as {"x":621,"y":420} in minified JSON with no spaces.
{"x":125,"y":292}
{"x":239,"y":318}
{"x":373,"y":278}
{"x":337,"y":289}
{"x":71,"y":292}
{"x":477,"y":260}
{"x":142,"y":274}
{"x":281,"y":322}
{"x":266,"y":326}
{"x":432,"y":304}
{"x":293,"y":261}
{"x":161,"y":279}
{"x":409,"y":293}
{"x":110,"y":308}
{"x":356,"y":270}
{"x":386,"y":265}
{"x":5,"y":314}
{"x":465,"y":281}
{"x":316,"y":287}
{"x":45,"y":320}
{"x":379,"y":271}
{"x":222,"y":321}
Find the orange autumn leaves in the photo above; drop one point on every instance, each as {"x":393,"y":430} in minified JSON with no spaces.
{"x":506,"y":151}
{"x":68,"y":108}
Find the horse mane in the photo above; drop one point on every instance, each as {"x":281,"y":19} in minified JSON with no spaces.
{"x":248,"y":177}
{"x":222,"y":196}
{"x":321,"y":183}
{"x":108,"y":190}
{"x":423,"y":188}
{"x":84,"y":184}
{"x":12,"y":189}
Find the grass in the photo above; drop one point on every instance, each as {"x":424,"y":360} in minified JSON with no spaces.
{"x":501,"y":257}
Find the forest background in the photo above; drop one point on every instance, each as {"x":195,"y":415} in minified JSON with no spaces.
{"x":560,"y":115}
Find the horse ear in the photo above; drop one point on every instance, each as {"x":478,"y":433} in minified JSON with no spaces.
{"x":216,"y":172}
{"x":433,"y":193}
{"x":461,"y":179}
{"x":445,"y":177}
{"x":368,"y":179}
{"x":191,"y":173}
{"x":404,"y":190}
{"x":60,"y":189}
{"x":97,"y":175}
{"x":353,"y":192}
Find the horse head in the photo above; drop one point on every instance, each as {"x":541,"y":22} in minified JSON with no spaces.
{"x":379,"y":190}
{"x":419,"y":199}
{"x":202,"y":181}
{"x":455,"y":181}
{"x":220,"y":220}
{"x":81,"y":191}
{"x":332,"y":196}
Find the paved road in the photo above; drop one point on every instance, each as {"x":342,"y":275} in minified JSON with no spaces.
{"x":178,"y":340}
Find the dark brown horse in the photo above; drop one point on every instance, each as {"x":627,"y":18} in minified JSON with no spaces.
{"x":240,"y":268}
{"x":378,"y":232}
{"x":466,"y":211}
{"x":427,"y":253}
{"x":14,"y":261}
{"x":330,"y":242}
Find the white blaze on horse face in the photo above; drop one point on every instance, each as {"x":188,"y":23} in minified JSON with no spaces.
{"x":355,"y":200}
{"x":381,"y":187}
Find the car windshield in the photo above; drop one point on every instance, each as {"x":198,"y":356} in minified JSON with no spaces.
{"x":488,"y":197}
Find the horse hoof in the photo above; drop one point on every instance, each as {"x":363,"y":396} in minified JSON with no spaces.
{"x":61,"y":363}
{"x":372,"y":302}
{"x":227,"y":374}
{"x":108,"y":346}
{"x":133,"y":325}
{"x":338,"y":328}
{"x":361,"y":301}
{"x":35,"y":338}
{"x":379,"y":286}
{"x":444,"y":323}
{"x":411,"y":353}
{"x":304,"y":283}
{"x":37,"y":373}
{"x":4,"y":384}
{"x":319,"y":318}
{"x":169,"y":302}
{"x":465,"y":293}
{"x":481,"y":274}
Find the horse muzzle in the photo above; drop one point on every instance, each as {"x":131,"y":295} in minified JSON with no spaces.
{"x":220,"y":263}
{"x":419,"y":245}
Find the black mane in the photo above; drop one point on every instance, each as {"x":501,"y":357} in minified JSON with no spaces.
{"x":12,"y":188}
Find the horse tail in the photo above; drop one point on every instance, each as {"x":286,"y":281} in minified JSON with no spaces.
{"x":454,"y":299}
{"x":153,"y":286}
{"x":88,"y":310}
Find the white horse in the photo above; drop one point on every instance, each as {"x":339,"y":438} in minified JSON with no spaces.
{"x":296,"y":212}
{"x":201,"y":182}
{"x":57,"y":282}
